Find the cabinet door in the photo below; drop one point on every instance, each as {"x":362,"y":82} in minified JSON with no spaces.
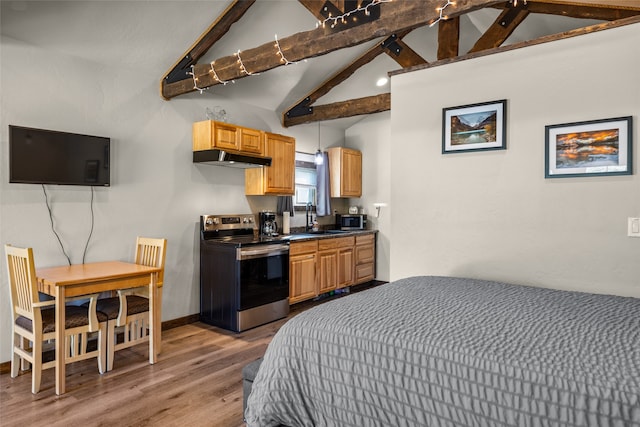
{"x":345,"y":267}
{"x":302,"y":277}
{"x":327,"y":271}
{"x":280,"y":175}
{"x":225,"y":136}
{"x":351,"y":173}
{"x":251,"y":141}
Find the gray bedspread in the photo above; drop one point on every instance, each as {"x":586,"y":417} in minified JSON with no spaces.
{"x":440,"y":351}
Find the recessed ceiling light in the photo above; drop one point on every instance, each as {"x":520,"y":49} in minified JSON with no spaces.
{"x":382,"y":81}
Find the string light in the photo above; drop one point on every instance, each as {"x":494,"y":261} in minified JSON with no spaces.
{"x":440,"y":10}
{"x":281,"y":55}
{"x":334,"y":21}
{"x":215,"y":76}
{"x":242,"y":67}
{"x":343,"y":18}
{"x":195,"y":81}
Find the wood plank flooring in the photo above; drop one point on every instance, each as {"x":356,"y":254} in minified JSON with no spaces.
{"x":196,"y":382}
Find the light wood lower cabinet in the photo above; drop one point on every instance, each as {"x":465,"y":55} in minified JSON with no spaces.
{"x":327,"y":264}
{"x":365,"y":258}
{"x":303,"y":258}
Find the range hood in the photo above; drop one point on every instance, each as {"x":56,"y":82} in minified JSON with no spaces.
{"x":224,"y":158}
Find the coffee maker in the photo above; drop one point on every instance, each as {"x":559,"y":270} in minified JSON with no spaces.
{"x":268,"y":224}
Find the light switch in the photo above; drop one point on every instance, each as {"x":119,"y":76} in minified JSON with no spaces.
{"x":633,"y":227}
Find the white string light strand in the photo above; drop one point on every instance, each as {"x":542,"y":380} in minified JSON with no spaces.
{"x":242,"y":67}
{"x":441,"y":9}
{"x":281,"y":55}
{"x":215,"y":76}
{"x":195,"y":80}
{"x":343,"y":18}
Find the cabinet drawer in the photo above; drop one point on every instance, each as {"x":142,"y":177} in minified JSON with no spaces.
{"x":364,"y":272}
{"x":365,"y":254}
{"x":303,"y":247}
{"x":365,"y":239}
{"x":336,"y":243}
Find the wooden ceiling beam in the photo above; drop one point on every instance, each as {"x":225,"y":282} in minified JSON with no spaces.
{"x":501,"y":29}
{"x":448,"y":38}
{"x":575,"y":9}
{"x":343,"y":109}
{"x":216,"y":30}
{"x":394,"y":17}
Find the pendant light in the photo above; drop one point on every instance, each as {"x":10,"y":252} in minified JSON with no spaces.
{"x":319,"y":157}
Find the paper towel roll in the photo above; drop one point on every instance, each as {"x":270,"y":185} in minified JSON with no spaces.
{"x":285,"y":223}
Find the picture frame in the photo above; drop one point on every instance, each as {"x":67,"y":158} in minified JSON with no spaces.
{"x":474,"y":127}
{"x":589,"y":148}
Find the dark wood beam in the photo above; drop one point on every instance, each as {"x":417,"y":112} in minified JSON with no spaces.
{"x":216,"y":30}
{"x":501,"y":29}
{"x":395,"y":16}
{"x":448,"y":38}
{"x":545,"y":39}
{"x":400,"y":52}
{"x":341,"y":76}
{"x":575,"y":9}
{"x":340,"y":110}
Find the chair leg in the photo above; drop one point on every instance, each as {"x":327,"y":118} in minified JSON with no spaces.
{"x":16,"y":360}
{"x":36,"y":366}
{"x":111,"y":343}
{"x":102,"y":348}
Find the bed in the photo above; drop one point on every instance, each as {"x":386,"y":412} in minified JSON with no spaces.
{"x":444,"y":351}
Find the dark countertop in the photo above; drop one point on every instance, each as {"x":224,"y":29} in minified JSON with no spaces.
{"x":327,"y":234}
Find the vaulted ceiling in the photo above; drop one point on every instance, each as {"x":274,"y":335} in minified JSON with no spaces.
{"x":143,"y":40}
{"x":380,"y":28}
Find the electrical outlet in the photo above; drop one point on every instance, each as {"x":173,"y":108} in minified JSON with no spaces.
{"x":633,"y":227}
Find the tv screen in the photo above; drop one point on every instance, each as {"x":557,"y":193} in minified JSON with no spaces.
{"x":38,"y":156}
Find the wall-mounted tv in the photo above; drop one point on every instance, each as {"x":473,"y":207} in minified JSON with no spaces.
{"x":39,"y":156}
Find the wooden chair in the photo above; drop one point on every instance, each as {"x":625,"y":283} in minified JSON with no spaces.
{"x":128,"y":313}
{"x":33,"y":326}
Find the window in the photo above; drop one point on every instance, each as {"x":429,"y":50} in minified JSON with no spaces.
{"x":305,"y":180}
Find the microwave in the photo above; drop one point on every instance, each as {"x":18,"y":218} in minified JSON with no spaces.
{"x":351,"y":221}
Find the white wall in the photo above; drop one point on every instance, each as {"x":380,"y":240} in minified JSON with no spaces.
{"x":155,"y":191}
{"x":493,"y":214}
{"x":372,"y":137}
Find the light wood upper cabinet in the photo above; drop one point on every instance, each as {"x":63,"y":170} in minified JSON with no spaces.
{"x":277,"y":179}
{"x":210,"y":134}
{"x":251,"y":141}
{"x":345,"y":168}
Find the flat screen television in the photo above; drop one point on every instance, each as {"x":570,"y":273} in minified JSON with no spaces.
{"x":39,"y":156}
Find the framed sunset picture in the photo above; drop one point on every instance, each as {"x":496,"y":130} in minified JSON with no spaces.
{"x":596,"y":147}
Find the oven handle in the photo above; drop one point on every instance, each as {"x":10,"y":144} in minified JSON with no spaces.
{"x":261,"y":251}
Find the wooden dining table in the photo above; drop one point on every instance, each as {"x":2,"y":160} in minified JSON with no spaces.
{"x":84,"y":279}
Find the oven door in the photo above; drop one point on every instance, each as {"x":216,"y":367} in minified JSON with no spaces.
{"x":264,"y":274}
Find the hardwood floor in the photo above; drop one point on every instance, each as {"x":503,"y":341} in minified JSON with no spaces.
{"x":196,"y":382}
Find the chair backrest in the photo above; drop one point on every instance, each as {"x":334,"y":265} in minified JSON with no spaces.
{"x":151,"y":252}
{"x":22,"y":280}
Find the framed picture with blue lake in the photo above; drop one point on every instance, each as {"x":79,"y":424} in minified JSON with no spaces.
{"x":474,"y":127}
{"x":590,"y":148}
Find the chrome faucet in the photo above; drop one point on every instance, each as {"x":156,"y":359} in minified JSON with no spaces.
{"x":308,"y":217}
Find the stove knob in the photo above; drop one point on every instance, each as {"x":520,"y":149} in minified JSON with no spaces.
{"x":216,"y":221}
{"x":208,"y":221}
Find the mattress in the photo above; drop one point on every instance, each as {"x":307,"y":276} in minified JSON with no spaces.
{"x":443,"y":351}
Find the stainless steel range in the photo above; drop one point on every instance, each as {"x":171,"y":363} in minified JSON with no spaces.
{"x":244,"y":278}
